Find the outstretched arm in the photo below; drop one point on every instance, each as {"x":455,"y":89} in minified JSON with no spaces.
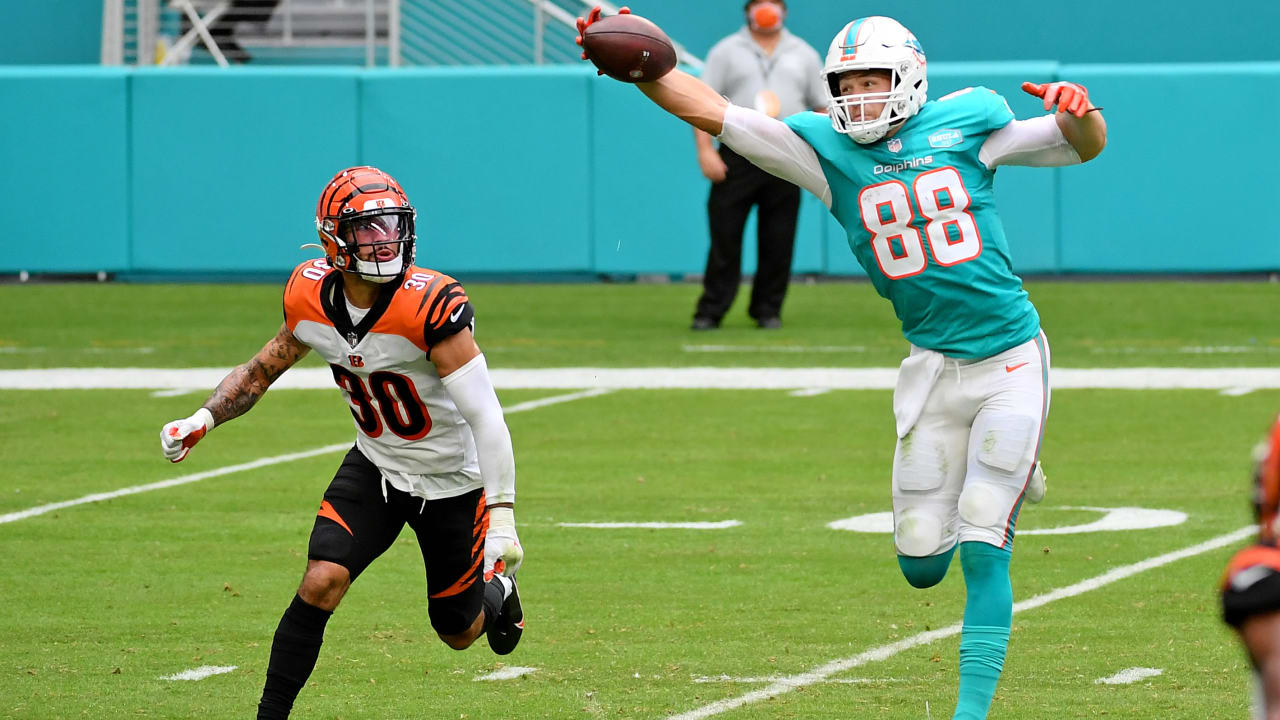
{"x":768,"y":143}
{"x":237,"y":392}
{"x":689,"y":99}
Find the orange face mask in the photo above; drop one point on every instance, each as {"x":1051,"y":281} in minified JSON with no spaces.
{"x":766,"y":16}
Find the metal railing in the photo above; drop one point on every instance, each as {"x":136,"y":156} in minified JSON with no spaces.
{"x":464,"y":32}
{"x":390,"y":32}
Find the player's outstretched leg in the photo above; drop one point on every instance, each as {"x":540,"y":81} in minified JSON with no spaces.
{"x":293,"y":656}
{"x":988,"y":614}
{"x":502,"y":606}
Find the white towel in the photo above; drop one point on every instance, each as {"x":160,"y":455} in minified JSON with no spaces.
{"x":916,"y":376}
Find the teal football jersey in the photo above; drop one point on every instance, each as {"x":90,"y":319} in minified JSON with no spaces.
{"x":920,"y":216}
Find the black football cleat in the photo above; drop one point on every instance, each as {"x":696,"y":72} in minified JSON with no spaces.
{"x":504,"y":633}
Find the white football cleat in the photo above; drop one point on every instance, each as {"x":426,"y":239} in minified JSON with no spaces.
{"x":1036,"y":486}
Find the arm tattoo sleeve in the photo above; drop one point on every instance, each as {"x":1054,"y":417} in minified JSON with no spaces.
{"x":244,"y":385}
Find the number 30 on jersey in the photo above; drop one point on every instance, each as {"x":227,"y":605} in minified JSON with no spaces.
{"x":943,"y":201}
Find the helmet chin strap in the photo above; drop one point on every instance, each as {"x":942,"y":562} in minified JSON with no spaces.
{"x":364,"y":269}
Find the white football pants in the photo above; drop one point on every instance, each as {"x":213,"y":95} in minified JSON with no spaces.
{"x":961,"y":468}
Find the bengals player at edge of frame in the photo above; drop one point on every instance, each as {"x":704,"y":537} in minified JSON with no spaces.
{"x":1251,"y":583}
{"x":432,"y":447}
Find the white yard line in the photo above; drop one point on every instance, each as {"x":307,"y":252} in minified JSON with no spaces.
{"x":253,"y":465}
{"x":719,"y":525}
{"x":774,"y":348}
{"x":1129,"y":676}
{"x":555,"y":400}
{"x":508,"y":673}
{"x":200,"y":673}
{"x":809,"y":392}
{"x":884,"y":652}
{"x":776,"y":678}
{"x":651,"y":378}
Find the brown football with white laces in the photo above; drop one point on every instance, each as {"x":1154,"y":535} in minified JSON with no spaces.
{"x":629,"y":48}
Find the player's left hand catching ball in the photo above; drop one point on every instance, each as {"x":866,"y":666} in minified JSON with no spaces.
{"x":1068,"y":96}
{"x":502,"y":551}
{"x":178,"y":437}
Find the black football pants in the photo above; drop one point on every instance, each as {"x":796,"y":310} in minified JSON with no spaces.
{"x":728,"y":205}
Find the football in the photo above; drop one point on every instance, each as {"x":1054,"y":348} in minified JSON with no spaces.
{"x":629,"y":48}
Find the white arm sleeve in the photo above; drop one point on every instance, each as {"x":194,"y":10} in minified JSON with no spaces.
{"x":775,"y":148}
{"x":472,"y":391}
{"x":1037,"y":142}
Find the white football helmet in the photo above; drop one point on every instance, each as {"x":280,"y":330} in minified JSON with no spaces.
{"x":875,"y":43}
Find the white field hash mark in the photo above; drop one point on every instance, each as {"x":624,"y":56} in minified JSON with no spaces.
{"x":508,"y":673}
{"x":1128,"y":676}
{"x":200,"y":673}
{"x":253,"y":465}
{"x":884,"y":652}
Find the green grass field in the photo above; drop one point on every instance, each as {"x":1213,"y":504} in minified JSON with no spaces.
{"x":103,"y":600}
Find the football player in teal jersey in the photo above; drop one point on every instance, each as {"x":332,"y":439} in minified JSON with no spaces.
{"x":910,"y":180}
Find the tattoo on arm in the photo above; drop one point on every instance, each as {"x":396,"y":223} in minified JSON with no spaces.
{"x":244,"y":385}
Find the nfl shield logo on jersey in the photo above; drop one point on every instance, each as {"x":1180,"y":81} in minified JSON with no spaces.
{"x":895,"y":145}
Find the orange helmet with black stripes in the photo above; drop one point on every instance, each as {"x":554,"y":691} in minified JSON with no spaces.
{"x":366,"y":224}
{"x":1266,"y":485}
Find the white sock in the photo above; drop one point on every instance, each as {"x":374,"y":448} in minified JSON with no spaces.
{"x":506,"y":585}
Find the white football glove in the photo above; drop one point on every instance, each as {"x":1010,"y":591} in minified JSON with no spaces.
{"x":178,"y":437}
{"x":501,"y":544}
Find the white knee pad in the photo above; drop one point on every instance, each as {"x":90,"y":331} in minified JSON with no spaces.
{"x":918,"y":533}
{"x":982,"y":504}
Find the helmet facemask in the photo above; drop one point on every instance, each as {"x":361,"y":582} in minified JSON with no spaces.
{"x":848,"y":112}
{"x":376,"y":244}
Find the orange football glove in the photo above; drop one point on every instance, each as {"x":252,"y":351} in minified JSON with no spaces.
{"x":1068,"y":96}
{"x":584,"y":23}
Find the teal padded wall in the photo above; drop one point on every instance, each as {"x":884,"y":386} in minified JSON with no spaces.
{"x":227,"y":164}
{"x":51,"y":32}
{"x":494,"y":159}
{"x":63,"y":137}
{"x":523,"y":170}
{"x":649,"y":208}
{"x":1187,"y":182}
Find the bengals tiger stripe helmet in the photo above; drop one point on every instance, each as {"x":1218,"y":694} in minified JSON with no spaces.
{"x":363,"y":211}
{"x":1266,"y":485}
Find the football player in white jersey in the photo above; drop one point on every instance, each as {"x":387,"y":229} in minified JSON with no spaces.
{"x":432,"y":448}
{"x":911,"y":181}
